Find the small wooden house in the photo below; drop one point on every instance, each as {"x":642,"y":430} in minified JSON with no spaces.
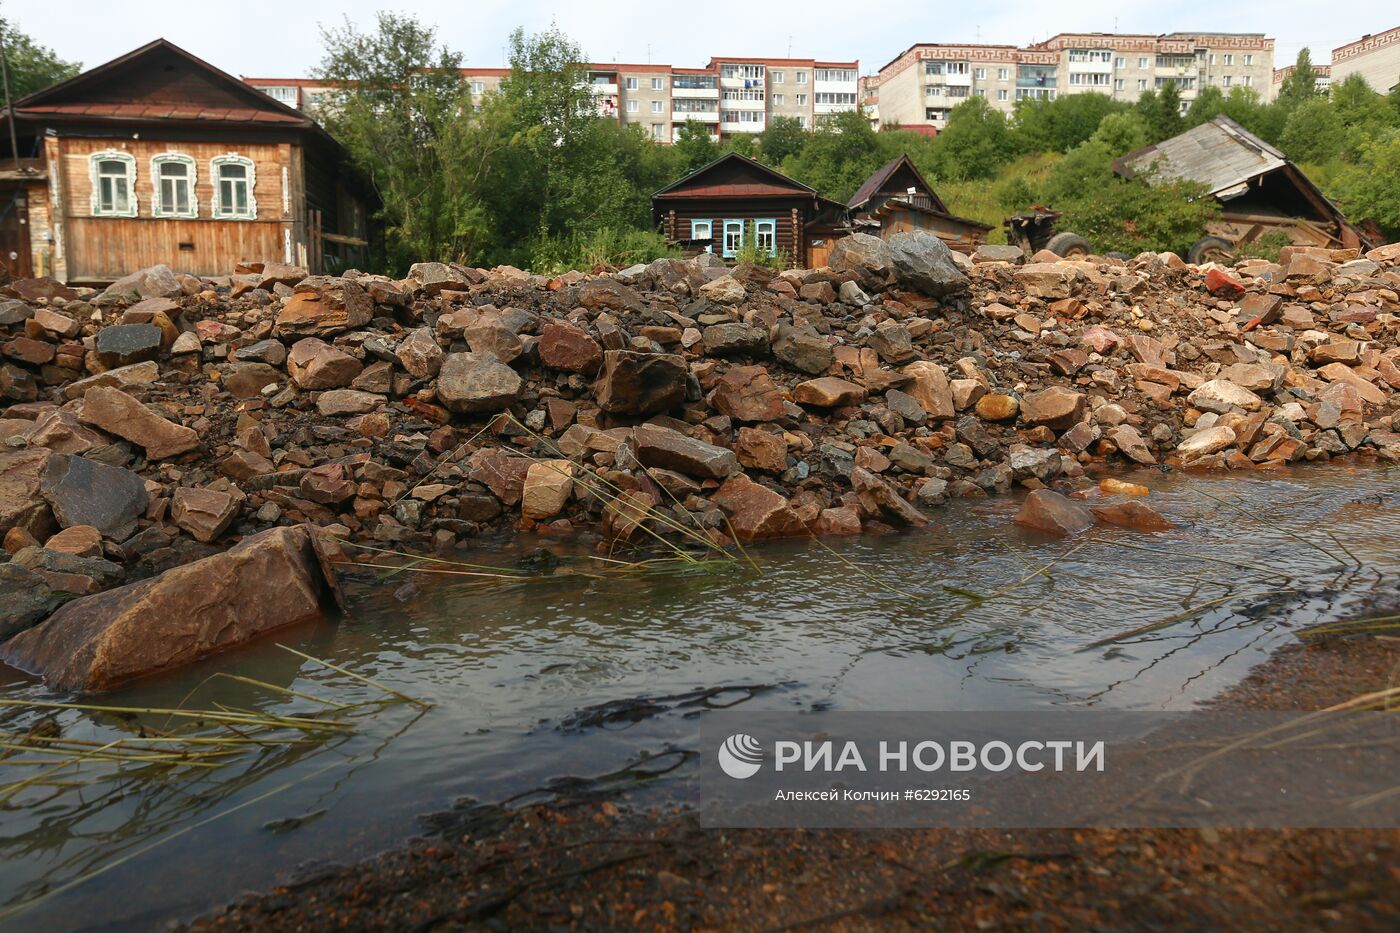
{"x":159,"y":157}
{"x":896,"y":198}
{"x":735,"y":202}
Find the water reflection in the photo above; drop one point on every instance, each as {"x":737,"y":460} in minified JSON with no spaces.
{"x":564,"y":684}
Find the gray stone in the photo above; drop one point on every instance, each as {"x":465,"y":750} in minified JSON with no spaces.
{"x":28,"y":599}
{"x":125,"y":344}
{"x":471,"y":383}
{"x":84,"y":492}
{"x":271,"y":352}
{"x":734,"y":339}
{"x":869,"y":257}
{"x":803,"y":349}
{"x":906,"y":406}
{"x":923,"y":262}
{"x":657,"y":446}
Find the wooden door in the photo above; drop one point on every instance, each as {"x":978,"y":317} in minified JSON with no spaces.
{"x":14,"y":234}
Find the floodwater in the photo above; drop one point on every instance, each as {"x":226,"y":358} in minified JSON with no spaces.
{"x":603,"y":681}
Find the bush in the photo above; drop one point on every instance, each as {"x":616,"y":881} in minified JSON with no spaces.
{"x":597,"y":250}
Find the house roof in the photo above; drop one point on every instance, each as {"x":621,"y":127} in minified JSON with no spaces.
{"x":1220,"y":154}
{"x":883,"y":174}
{"x":160,"y":81}
{"x":762,"y":181}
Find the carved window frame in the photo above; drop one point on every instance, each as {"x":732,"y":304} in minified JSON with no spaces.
{"x":94,"y":173}
{"x":158,"y":206}
{"x":218,"y":209}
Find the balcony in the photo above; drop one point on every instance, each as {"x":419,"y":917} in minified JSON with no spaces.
{"x":1046,"y":80}
{"x":699,"y":116}
{"x":958,"y":80}
{"x":832,"y":108}
{"x":741,"y":82}
{"x":603,"y":90}
{"x":835,"y":87}
{"x":695,"y":93}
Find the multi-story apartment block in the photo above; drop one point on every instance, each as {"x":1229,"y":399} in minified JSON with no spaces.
{"x":1376,"y":58}
{"x":1322,"y":78}
{"x":729,"y":95}
{"x":924,"y":83}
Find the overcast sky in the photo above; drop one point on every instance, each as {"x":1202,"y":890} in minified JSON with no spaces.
{"x":281,"y":38}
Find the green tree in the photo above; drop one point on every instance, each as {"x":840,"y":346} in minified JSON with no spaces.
{"x":785,"y":137}
{"x":1369,"y":189}
{"x":1313,"y":132}
{"x":975,"y":143}
{"x":1209,"y":104}
{"x":1166,"y":121}
{"x":1121,"y":133}
{"x":1301,"y":83}
{"x":32,"y":67}
{"x":398,"y":95}
{"x":1042,"y":125}
{"x":694,"y":146}
{"x":840,"y":154}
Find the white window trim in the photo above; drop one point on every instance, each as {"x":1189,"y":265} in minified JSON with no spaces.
{"x":119,"y":156}
{"x":725,"y":248}
{"x":772,"y":229}
{"x":158,"y":208}
{"x":708,"y":228}
{"x":216,"y":207}
{"x":633,"y":106}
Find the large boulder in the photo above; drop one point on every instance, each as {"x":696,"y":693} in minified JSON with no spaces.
{"x":420,"y":354}
{"x":1047,"y":511}
{"x":158,"y":281}
{"x":267,"y":582}
{"x":930,"y":388}
{"x":85,"y":492}
{"x":117,"y":413}
{"x":569,"y":348}
{"x":661,"y":447}
{"x":125,"y":344}
{"x":869,"y":257}
{"x":314,"y":364}
{"x":1056,"y":407}
{"x":475,"y":383}
{"x":755,"y":511}
{"x":204,"y":513}
{"x":748,"y":393}
{"x":548,"y":485}
{"x":640,"y":384}
{"x":923,"y":263}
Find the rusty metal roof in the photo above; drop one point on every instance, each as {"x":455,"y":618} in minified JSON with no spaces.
{"x":745,"y":190}
{"x":142,"y":111}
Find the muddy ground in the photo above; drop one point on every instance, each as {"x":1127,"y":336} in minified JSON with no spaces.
{"x":591,"y":866}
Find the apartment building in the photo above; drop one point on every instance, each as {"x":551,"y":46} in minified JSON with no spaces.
{"x":924,"y":83}
{"x":1322,"y":78}
{"x":729,"y":95}
{"x":1375,"y":57}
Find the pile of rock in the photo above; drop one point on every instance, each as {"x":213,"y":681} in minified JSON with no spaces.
{"x":158,"y":421}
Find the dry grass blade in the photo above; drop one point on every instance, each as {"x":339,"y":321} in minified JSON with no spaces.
{"x":1274,"y":525}
{"x":1162,"y":623}
{"x":422,"y":704}
{"x":10,"y":790}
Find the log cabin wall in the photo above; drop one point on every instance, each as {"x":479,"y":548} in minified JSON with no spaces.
{"x":103,"y":248}
{"x":789,"y":236}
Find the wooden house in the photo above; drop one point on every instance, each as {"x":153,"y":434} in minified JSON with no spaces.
{"x":159,"y":157}
{"x":896,"y":198}
{"x":735,"y":202}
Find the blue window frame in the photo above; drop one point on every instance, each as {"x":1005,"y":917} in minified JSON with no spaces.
{"x":733,"y":237}
{"x":765,"y":236}
{"x":703,"y":230}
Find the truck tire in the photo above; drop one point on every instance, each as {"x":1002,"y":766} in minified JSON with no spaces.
{"x":1210,"y":249}
{"x":1068,"y":245}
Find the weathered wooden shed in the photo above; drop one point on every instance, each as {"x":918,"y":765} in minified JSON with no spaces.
{"x":1259,"y":190}
{"x":159,"y":157}
{"x":896,"y":198}
{"x":735,"y":201}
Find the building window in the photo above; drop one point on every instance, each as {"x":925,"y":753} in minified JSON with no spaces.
{"x":1003,"y":74}
{"x":172,"y":184}
{"x":802,"y":77}
{"x":478,"y":87}
{"x":802,"y":121}
{"x":233,"y":187}
{"x":777,"y":100}
{"x":1088,"y":79}
{"x":765,"y":236}
{"x":835,"y":74}
{"x":113,"y":183}
{"x":1090,"y":55}
{"x":703,"y":230}
{"x":1001,"y":94}
{"x":1118,"y":84}
{"x":633,"y":106}
{"x":631,"y":84}
{"x":658,"y":131}
{"x":801,"y":100}
{"x":1142,"y":84}
{"x":958,"y":68}
{"x":1211,"y":58}
{"x":656,"y":84}
{"x":1120,"y":62}
{"x":1142,"y":63}
{"x":1249,"y":59}
{"x":980,"y":74}
{"x":1229,"y":58}
{"x":835,"y":97}
{"x":981,"y":92}
{"x":283,"y":95}
{"x":656,"y":106}
{"x":776,"y":77}
{"x":1247,"y":80}
{"x":733,"y":237}
{"x":933,"y":90}
{"x":1225,"y":81}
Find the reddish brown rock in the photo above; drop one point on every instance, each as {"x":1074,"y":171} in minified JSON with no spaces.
{"x":1057,"y":408}
{"x":657,"y":446}
{"x":504,"y":475}
{"x":1048,"y":511}
{"x":269,"y":581}
{"x":748,"y":393}
{"x":640,"y":384}
{"x":1139,"y":516}
{"x":117,"y":413}
{"x":324,"y":312}
{"x":314,"y":364}
{"x":204,"y":513}
{"x":756,"y":511}
{"x":828,"y":392}
{"x":80,"y":541}
{"x":1223,"y":285}
{"x":569,"y":348}
{"x":21,"y":506}
{"x":930,"y":389}
{"x":879,"y":499}
{"x":328,"y":484}
{"x":761,"y":450}
{"x":548,"y":485}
